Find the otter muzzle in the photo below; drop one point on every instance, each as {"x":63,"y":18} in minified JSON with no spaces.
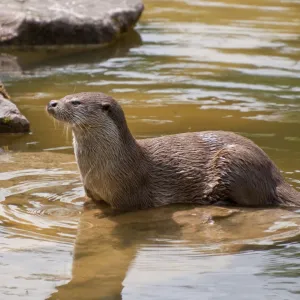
{"x":52,"y":106}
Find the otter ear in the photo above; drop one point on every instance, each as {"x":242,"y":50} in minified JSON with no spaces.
{"x":106,"y":107}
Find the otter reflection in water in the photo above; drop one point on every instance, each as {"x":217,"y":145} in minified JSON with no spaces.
{"x":210,"y":167}
{"x":152,"y":253}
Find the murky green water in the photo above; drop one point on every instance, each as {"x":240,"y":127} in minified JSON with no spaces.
{"x":192,"y":65}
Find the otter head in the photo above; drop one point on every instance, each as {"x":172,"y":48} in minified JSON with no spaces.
{"x":85,"y":111}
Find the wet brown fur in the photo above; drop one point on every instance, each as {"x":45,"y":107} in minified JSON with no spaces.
{"x":209,"y":167}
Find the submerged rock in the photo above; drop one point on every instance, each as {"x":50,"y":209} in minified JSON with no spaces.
{"x":35,"y":22}
{"x":11,"y":120}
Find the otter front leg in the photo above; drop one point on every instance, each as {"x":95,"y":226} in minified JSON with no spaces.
{"x":91,"y":197}
{"x":105,"y":209}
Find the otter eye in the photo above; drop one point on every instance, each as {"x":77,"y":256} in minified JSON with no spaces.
{"x":75,"y":102}
{"x":106,"y":106}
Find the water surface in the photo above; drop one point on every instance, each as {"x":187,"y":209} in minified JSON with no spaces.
{"x":191,"y":65}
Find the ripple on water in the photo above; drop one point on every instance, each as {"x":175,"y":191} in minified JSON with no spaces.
{"x":39,"y":212}
{"x":27,"y":192}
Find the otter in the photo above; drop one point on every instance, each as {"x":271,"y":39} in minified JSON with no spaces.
{"x":208,"y":168}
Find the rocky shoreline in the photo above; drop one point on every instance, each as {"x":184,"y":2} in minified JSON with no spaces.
{"x":11,"y":120}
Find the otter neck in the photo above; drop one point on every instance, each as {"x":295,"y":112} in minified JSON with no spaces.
{"x":101,"y":146}
{"x":100,"y":158}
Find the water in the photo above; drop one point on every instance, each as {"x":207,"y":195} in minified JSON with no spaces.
{"x":191,"y":65}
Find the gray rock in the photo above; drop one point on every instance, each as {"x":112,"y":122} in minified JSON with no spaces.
{"x":11,"y":120}
{"x":57,"y":22}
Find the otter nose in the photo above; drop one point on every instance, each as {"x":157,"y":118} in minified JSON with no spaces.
{"x":52,"y":103}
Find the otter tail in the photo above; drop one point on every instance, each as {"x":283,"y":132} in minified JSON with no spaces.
{"x":288,"y":196}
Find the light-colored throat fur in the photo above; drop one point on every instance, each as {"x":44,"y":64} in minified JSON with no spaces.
{"x":105,"y":161}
